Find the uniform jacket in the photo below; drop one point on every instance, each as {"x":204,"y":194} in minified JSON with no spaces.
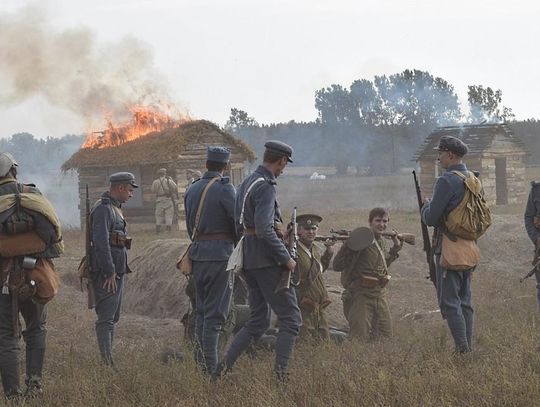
{"x":265,"y":249}
{"x":164,"y":187}
{"x":43,"y":227}
{"x":106,"y":217}
{"x":311,"y":264}
{"x":448,"y":192}
{"x":217,"y":216}
{"x":532,"y":210}
{"x":367,"y":262}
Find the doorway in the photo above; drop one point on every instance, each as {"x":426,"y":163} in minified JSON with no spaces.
{"x":501,"y":186}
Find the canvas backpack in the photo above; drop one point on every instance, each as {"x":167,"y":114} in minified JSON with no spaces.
{"x":471,"y":218}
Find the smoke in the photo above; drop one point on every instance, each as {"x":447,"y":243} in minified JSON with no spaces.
{"x":71,"y":70}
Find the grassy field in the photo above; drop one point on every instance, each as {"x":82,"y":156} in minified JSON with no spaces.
{"x":415,"y":368}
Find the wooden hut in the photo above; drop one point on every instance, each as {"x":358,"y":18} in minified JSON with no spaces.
{"x":494,"y":151}
{"x":176,"y":149}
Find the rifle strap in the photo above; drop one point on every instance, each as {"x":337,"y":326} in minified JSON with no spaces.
{"x":199,"y":208}
{"x":245,"y":198}
{"x":381,"y":252}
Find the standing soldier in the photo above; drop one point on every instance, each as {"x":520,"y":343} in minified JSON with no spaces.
{"x":311,"y":292}
{"x":265,"y":257}
{"x":453,"y":287}
{"x":532,"y":224}
{"x":209,"y":204}
{"x":110,"y":244}
{"x":363,"y":261}
{"x":166,"y":192}
{"x":18,"y":225}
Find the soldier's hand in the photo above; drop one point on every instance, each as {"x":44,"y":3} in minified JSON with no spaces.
{"x":398,"y":244}
{"x":329,"y":243}
{"x":110,"y":284}
{"x":291,"y":264}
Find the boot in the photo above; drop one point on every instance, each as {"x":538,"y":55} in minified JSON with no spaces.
{"x":34,"y":367}
{"x":10,"y":380}
{"x":158,"y":229}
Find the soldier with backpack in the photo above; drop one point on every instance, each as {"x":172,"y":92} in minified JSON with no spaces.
{"x":460,"y":215}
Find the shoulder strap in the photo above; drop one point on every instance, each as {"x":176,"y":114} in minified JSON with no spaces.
{"x":245,"y":198}
{"x":201,"y":203}
{"x":381,"y":252}
{"x":459,"y":174}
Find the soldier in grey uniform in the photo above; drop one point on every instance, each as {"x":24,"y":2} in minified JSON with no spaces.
{"x":166,"y":192}
{"x":33,"y":313}
{"x":265,"y":256}
{"x":532,"y":225}
{"x":213,"y":243}
{"x":453,"y":287}
{"x":109,"y":257}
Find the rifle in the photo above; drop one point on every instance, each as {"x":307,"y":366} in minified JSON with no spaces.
{"x":536,"y":265}
{"x":88,"y":249}
{"x":425,"y":234}
{"x":343,"y":234}
{"x":288,"y":277}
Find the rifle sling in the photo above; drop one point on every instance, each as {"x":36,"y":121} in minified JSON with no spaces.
{"x":199,"y":209}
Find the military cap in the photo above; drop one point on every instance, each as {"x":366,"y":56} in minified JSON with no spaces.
{"x":6,"y":163}
{"x":218,"y":154}
{"x":452,"y":144}
{"x":123,"y":178}
{"x":162,"y":171}
{"x":308,"y":221}
{"x":280,"y":148}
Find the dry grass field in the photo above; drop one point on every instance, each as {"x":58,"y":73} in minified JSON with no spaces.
{"x":415,"y":368}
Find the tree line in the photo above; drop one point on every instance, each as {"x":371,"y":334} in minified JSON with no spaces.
{"x":377,"y":125}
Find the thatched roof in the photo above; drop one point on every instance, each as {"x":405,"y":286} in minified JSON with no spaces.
{"x":478,"y":138}
{"x":158,"y":147}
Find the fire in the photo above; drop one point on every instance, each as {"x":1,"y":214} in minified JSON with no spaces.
{"x":144,"y":120}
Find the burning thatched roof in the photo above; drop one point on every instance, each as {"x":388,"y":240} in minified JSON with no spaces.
{"x":478,"y":138}
{"x":159,"y":147}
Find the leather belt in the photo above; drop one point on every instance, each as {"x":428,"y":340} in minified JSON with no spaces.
{"x":215,"y":236}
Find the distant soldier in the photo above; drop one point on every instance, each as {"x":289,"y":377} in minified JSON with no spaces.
{"x":363,"y":261}
{"x":311,"y":292}
{"x":18,"y":225}
{"x":265,"y":257}
{"x":209,"y":204}
{"x":166,"y":193}
{"x":110,"y":244}
{"x":532,"y":224}
{"x":192,"y":176}
{"x":453,"y":287}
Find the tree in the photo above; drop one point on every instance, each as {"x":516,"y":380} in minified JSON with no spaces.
{"x":239,"y":119}
{"x":486,"y":105}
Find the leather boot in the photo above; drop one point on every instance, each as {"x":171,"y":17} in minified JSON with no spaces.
{"x":34,"y":367}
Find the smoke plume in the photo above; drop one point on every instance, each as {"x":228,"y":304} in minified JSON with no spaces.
{"x":72,"y":70}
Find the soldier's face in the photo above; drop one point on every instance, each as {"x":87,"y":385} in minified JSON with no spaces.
{"x":125,"y":192}
{"x":281,"y":166}
{"x":307,"y":235}
{"x":379,"y":224}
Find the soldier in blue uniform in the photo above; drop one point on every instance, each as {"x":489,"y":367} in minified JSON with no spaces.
{"x":532,"y":224}
{"x":265,"y":256}
{"x":109,"y":257}
{"x":213,"y":242}
{"x":453,"y":287}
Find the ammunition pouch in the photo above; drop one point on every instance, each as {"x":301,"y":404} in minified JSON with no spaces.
{"x":119,"y":239}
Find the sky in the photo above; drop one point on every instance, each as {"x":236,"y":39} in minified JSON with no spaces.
{"x":265,"y":57}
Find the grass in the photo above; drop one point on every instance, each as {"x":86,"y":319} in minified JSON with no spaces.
{"x":415,"y":368}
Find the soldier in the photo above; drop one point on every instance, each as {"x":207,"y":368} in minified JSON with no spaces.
{"x":166,"y":193}
{"x":11,"y":303}
{"x":265,"y":257}
{"x":110,"y":244}
{"x":209,"y":204}
{"x":453,"y":287}
{"x":363,"y":261}
{"x":532,"y":225}
{"x":311,"y":292}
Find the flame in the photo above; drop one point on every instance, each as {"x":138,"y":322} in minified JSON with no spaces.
{"x":144,"y":120}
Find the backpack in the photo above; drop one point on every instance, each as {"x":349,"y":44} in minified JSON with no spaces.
{"x":471,"y":218}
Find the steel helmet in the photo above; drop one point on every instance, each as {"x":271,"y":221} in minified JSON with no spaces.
{"x":6,"y":163}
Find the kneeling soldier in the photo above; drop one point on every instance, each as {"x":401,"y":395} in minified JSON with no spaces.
{"x":363,"y":260}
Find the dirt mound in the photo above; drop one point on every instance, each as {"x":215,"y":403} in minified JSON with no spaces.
{"x":156,"y":288}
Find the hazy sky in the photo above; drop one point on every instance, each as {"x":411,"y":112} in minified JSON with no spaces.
{"x":269,"y":57}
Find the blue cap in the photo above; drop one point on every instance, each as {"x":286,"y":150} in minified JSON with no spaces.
{"x":123,"y":178}
{"x":218,"y":154}
{"x":280,"y":148}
